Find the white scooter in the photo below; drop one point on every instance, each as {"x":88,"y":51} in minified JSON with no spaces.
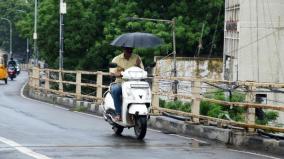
{"x":136,"y":97}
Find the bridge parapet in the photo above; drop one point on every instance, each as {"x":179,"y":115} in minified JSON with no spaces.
{"x":85,"y":85}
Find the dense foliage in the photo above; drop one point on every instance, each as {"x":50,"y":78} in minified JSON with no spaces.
{"x":90,"y":25}
{"x":14,"y":11}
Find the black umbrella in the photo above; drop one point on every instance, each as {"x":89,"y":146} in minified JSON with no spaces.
{"x":137,"y":40}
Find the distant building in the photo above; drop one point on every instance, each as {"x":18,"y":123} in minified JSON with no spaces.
{"x":254,"y":38}
{"x":254,"y":43}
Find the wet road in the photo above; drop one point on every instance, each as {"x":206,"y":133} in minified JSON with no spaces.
{"x":30,"y":129}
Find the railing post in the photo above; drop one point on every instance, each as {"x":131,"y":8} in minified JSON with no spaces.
{"x":250,"y":112}
{"x":196,"y":97}
{"x":31,"y":75}
{"x":60,"y":82}
{"x":78,"y":85}
{"x":155,"y":96}
{"x":35,"y":77}
{"x":99,"y":86}
{"x":46,"y":81}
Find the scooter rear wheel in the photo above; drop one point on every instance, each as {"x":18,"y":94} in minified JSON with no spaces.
{"x":140,"y":127}
{"x":117,"y":129}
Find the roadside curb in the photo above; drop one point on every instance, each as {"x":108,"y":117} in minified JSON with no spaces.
{"x":168,"y":125}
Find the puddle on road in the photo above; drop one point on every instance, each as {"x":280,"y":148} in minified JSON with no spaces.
{"x":196,"y":144}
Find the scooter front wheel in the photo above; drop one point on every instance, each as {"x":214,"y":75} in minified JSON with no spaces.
{"x":140,"y":127}
{"x":117,"y":129}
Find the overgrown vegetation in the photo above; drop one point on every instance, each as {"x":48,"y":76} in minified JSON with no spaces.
{"x":176,"y":105}
{"x":80,"y":109}
{"x":224,"y":112}
{"x":219,"y":111}
{"x":269,"y":116}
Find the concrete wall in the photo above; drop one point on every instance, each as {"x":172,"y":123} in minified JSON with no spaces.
{"x":261,"y":37}
{"x":254,"y":32}
{"x":188,"y":67}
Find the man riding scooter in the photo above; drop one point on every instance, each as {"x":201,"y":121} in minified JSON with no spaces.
{"x":124,"y":61}
{"x":12,"y":62}
{"x":12,"y":71}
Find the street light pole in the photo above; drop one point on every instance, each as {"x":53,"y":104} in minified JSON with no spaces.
{"x":173,"y":22}
{"x":11,"y":34}
{"x":28,"y":50}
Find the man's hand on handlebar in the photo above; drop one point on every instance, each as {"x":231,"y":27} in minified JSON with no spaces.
{"x":138,"y":62}
{"x":116,"y":74}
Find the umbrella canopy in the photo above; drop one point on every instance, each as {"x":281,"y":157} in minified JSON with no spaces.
{"x":137,"y":40}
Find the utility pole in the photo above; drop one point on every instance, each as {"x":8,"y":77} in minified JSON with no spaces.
{"x":174,"y":53}
{"x":62,"y":11}
{"x":35,"y":35}
{"x":61,"y":33}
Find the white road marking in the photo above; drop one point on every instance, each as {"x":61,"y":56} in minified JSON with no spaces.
{"x":23,"y":149}
{"x":179,"y":136}
{"x":88,"y":114}
{"x":190,"y":138}
{"x":255,"y":154}
{"x":158,"y":131}
{"x":22,"y":94}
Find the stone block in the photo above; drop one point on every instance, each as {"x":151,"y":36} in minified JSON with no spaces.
{"x":93,"y":107}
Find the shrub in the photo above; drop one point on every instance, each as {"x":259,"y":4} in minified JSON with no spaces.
{"x":176,"y":105}
{"x":80,"y":109}
{"x":268,"y":117}
{"x":220,"y":111}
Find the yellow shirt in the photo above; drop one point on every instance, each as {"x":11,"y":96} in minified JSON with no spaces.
{"x":123,"y":64}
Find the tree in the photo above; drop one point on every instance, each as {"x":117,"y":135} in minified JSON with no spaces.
{"x":10,"y":9}
{"x":91,"y":25}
